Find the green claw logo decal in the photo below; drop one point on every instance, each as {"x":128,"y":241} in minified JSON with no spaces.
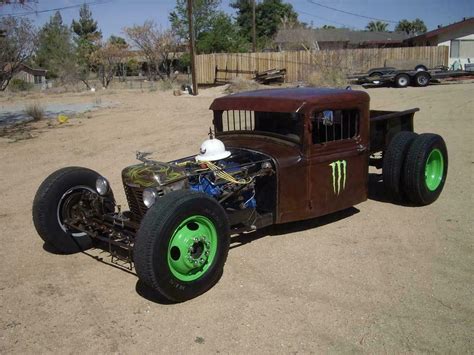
{"x":338,"y":175}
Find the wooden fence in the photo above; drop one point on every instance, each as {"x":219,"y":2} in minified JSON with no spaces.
{"x":299,"y":64}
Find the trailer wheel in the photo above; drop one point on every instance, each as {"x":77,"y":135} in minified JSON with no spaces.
{"x":393,"y":161}
{"x":421,"y":67}
{"x":402,"y":80}
{"x":426,"y":168}
{"x":182,"y":245}
{"x":376,"y":73}
{"x":422,"y":79}
{"x":57,"y":199}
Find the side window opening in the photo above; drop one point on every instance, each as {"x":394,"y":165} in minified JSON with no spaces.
{"x":288,"y":125}
{"x":335,"y":125}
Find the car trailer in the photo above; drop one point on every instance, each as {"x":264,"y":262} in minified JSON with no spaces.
{"x":404,"y":78}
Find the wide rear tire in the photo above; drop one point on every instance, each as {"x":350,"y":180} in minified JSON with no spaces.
{"x":426,"y":168}
{"x":182,"y":245}
{"x":393,"y":164}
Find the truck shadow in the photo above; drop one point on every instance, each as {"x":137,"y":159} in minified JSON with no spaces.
{"x":377,"y":191}
{"x":293,"y":227}
{"x":239,"y":240}
{"x":151,"y":294}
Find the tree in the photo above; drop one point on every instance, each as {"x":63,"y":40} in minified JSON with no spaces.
{"x":214,"y":30}
{"x":158,"y":46}
{"x":204,"y":13}
{"x":412,"y":28}
{"x":87,"y":38}
{"x":55,"y":49}
{"x":118,"y":40}
{"x":404,"y":26}
{"x":268,"y":14}
{"x":17,"y":45}
{"x":108,"y":57}
{"x":223,"y":36}
{"x":377,"y":26}
{"x":418,"y":26}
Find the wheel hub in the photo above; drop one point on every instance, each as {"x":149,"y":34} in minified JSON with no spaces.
{"x":192,"y":248}
{"x":434,"y":169}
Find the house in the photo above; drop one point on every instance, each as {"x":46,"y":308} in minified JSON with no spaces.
{"x":338,"y":38}
{"x":30,"y":75}
{"x":459,"y":37}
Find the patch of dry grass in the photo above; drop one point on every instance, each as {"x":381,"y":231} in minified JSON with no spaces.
{"x":35,"y":111}
{"x":239,"y":84}
{"x":328,"y":77}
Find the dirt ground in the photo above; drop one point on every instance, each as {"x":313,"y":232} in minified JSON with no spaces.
{"x":378,"y":278}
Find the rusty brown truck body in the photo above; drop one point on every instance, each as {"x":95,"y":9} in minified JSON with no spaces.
{"x":280,"y":155}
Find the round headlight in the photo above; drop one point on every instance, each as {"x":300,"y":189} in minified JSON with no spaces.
{"x":102,"y":185}
{"x":149,"y":197}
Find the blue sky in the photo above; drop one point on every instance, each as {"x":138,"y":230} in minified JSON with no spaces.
{"x":113,"y":15}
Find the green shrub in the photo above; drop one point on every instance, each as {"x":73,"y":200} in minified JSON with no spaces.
{"x":19,"y":85}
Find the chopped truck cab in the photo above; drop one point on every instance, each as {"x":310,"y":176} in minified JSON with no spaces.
{"x":278,"y":156}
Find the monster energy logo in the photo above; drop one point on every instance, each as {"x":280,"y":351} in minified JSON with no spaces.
{"x":338,"y":175}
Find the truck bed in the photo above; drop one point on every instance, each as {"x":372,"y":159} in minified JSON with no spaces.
{"x":385,"y":124}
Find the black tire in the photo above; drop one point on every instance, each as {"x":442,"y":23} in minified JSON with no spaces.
{"x":156,"y":232}
{"x":402,"y":80}
{"x":422,"y":79}
{"x":47,"y":204}
{"x":421,"y":67}
{"x":393,"y":164}
{"x":376,"y":73}
{"x":414,"y":181}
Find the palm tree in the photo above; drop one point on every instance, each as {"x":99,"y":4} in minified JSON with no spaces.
{"x":377,"y":26}
{"x":404,"y":26}
{"x":413,"y":28}
{"x":418,"y":26}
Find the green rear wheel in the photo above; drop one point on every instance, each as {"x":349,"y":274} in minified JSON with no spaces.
{"x":425,"y":170}
{"x":182,"y":245}
{"x":434,"y":170}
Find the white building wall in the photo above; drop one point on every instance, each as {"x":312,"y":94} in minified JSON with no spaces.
{"x":466,"y":34}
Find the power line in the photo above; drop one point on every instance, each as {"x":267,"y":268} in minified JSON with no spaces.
{"x":28,"y":13}
{"x":350,"y":13}
{"x":322,"y":18}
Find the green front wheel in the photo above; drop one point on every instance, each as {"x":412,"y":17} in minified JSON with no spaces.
{"x":182,"y":245}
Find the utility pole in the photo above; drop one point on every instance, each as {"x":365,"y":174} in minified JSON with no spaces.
{"x":191,"y":46}
{"x":254,"y":32}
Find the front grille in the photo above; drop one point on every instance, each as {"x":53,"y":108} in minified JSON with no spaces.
{"x":135,"y":200}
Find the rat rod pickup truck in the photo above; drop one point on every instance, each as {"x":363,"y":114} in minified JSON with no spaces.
{"x":278,"y":156}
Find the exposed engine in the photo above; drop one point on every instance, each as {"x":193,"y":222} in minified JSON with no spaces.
{"x":230,"y":177}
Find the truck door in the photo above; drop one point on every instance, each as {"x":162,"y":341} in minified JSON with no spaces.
{"x":338,"y":155}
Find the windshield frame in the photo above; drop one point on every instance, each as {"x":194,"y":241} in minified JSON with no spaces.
{"x":219,"y":129}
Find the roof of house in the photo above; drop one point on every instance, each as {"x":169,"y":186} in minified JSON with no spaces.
{"x":337,"y":35}
{"x":446,"y":29}
{"x":286,"y":99}
{"x":33,"y":71}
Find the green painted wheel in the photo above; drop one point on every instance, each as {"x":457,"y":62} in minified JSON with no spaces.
{"x":425,"y":169}
{"x":182,"y":245}
{"x":434,"y":169}
{"x":192,"y":248}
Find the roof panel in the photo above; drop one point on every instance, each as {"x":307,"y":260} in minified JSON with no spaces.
{"x":284,"y":100}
